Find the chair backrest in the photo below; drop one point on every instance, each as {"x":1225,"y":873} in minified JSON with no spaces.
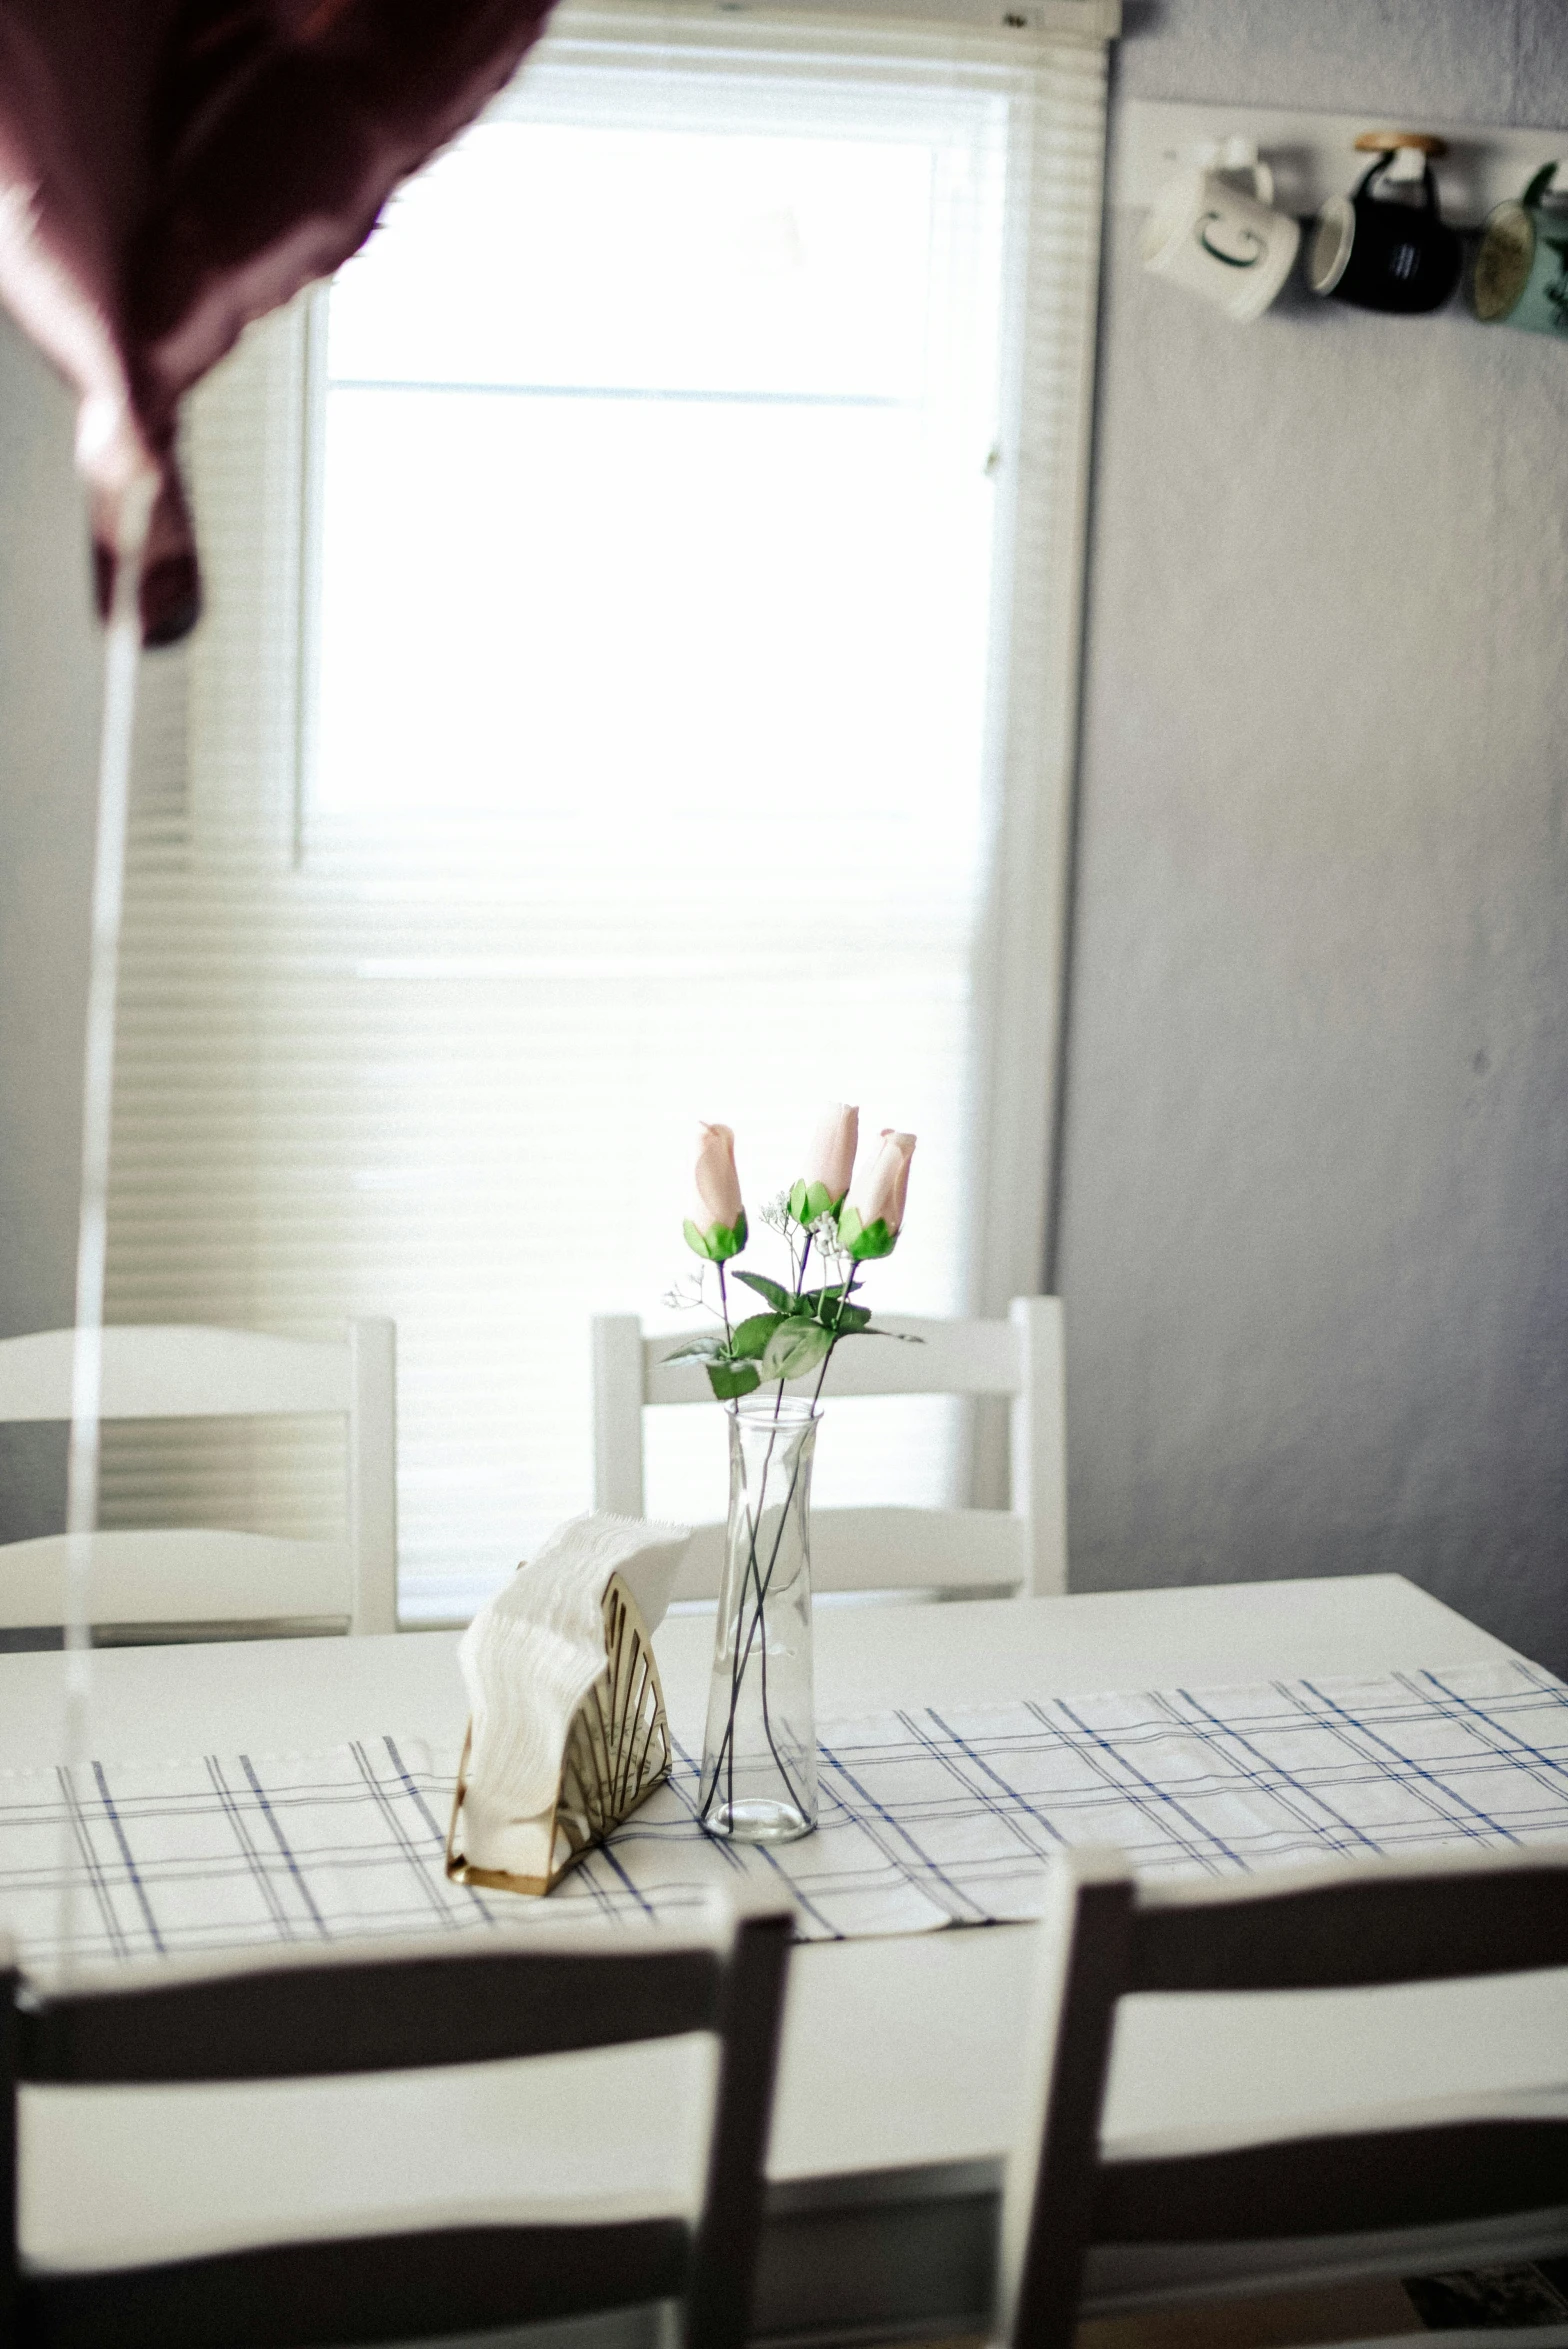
{"x":186,"y":1578}
{"x":1338,"y":1927}
{"x":412,"y":2006}
{"x":1020,"y":1548}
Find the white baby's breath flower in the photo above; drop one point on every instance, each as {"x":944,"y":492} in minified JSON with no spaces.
{"x":776,"y":1215}
{"x":688,"y":1293}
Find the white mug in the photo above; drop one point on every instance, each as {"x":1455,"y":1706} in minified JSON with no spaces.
{"x":1209,"y":235}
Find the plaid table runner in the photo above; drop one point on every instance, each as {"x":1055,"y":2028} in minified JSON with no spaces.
{"x":930,"y":1817}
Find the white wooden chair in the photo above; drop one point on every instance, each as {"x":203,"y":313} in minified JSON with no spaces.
{"x":192,"y":1582}
{"x":1365,"y":2184}
{"x":1020,"y":1549}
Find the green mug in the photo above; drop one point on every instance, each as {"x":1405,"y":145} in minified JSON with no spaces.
{"x":1521,"y":270}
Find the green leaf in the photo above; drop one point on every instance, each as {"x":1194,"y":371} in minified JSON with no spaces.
{"x":847,"y":1320}
{"x":871,"y":1239}
{"x":797,"y":1202}
{"x":778,"y":1297}
{"x":695,"y":1240}
{"x":730,"y":1379}
{"x":832,"y":1308}
{"x":703,"y":1349}
{"x":905,"y":1337}
{"x":794,"y":1348}
{"x":751,"y":1336}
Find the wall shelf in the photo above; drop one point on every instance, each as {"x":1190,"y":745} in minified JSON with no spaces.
{"x":1312,"y":155}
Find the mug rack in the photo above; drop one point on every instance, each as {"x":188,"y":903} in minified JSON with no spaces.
{"x":1312,"y":155}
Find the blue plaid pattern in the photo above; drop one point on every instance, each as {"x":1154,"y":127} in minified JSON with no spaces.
{"x":930,"y":1817}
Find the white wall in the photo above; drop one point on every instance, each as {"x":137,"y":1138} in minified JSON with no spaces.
{"x":1314,"y":1214}
{"x":49,"y":653}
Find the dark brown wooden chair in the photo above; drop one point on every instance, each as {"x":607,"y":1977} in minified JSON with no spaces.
{"x":1349,"y":1926}
{"x":380,"y":2008}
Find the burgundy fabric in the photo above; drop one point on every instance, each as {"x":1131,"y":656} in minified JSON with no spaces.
{"x":171,"y":169}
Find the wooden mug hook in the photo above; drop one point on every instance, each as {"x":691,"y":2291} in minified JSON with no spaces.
{"x":1388,"y":142}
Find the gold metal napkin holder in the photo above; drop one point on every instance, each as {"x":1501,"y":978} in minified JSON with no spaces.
{"x":617,"y":1751}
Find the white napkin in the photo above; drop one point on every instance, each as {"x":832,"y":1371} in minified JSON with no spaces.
{"x":529,"y":1657}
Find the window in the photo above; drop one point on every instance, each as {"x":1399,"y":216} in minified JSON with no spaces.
{"x":636,"y":686}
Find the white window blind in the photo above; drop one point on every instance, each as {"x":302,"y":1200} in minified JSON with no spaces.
{"x":637,"y":685}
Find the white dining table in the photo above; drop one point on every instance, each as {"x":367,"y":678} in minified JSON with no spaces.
{"x":901,"y":2082}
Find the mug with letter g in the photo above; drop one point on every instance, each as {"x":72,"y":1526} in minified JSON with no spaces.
{"x":1211,"y":236}
{"x":1521,"y":269}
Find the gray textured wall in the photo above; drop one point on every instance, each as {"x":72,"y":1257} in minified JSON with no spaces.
{"x":1312,"y":1234}
{"x":49,"y":655}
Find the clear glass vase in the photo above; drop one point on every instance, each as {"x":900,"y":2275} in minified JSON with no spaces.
{"x":759,"y":1756}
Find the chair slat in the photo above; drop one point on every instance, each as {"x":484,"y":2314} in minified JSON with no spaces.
{"x":157,"y":1371}
{"x":9,"y":2020}
{"x":317,"y":2020}
{"x":1038,"y":1443}
{"x":1048,"y":2269}
{"x":374,"y":2288}
{"x":730,"y":2231}
{"x":951,"y":1358}
{"x":887,"y":1549}
{"x":1339,"y":2185}
{"x":617,"y":1411}
{"x":184,"y":1575}
{"x":1395,"y":1924}
{"x":372,"y":1475}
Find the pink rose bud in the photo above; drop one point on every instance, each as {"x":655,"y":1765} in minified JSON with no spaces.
{"x":718,"y":1185}
{"x":888,"y":1186}
{"x":870,"y":1224}
{"x":831,"y":1159}
{"x":717,"y":1229}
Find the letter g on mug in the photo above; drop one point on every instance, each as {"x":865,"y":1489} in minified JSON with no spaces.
{"x":1209,"y":235}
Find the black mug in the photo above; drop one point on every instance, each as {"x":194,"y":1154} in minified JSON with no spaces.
{"x":1382,"y":253}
